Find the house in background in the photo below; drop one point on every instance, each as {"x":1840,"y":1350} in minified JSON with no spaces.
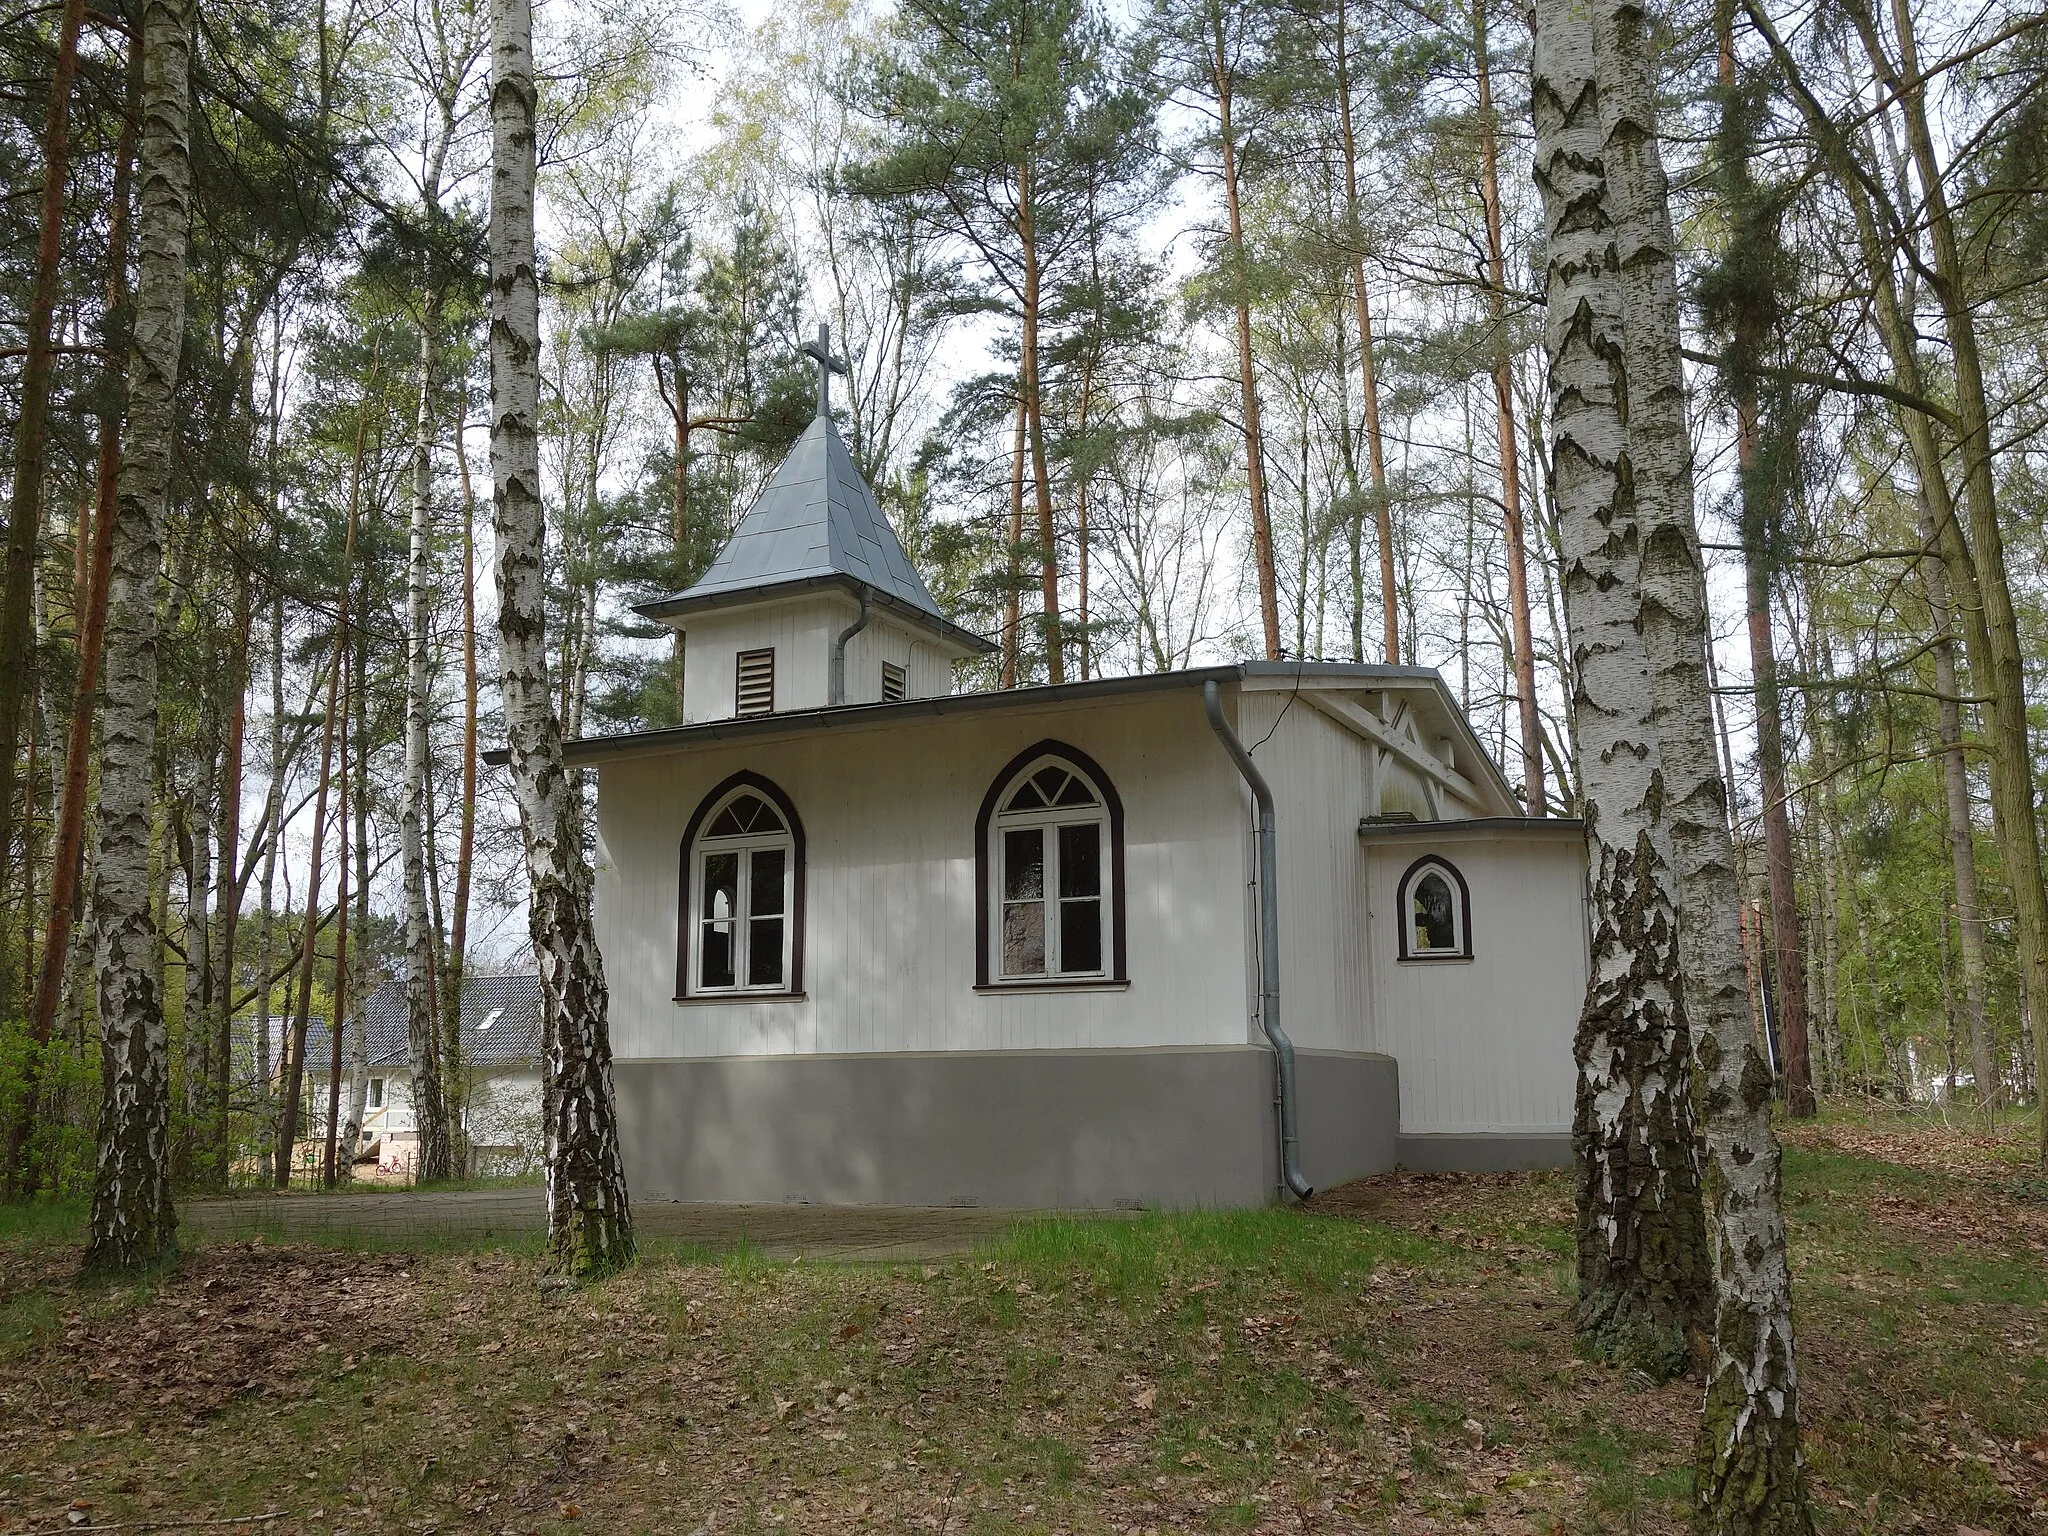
{"x":500,"y":1078}
{"x":871,"y":940}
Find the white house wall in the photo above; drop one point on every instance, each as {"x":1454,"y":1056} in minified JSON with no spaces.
{"x":1317,"y":770}
{"x":1485,"y":1045}
{"x":800,"y":631}
{"x":889,"y":816}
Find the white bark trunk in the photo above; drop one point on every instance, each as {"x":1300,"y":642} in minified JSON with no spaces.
{"x":428,"y":1100}
{"x":1622,"y":464}
{"x":132,"y":1220}
{"x":589,"y":1224}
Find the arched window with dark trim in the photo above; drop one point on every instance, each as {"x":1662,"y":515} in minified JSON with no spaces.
{"x":1049,"y":873}
{"x":1435,"y":911}
{"x":740,"y":927}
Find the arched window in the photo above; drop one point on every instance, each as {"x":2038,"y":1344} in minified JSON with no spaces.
{"x":1049,"y":858}
{"x":742,"y":907}
{"x":1435,"y":912}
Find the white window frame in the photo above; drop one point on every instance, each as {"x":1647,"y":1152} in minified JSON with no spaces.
{"x":745,"y":845}
{"x":1049,"y":819}
{"x":1461,"y":910}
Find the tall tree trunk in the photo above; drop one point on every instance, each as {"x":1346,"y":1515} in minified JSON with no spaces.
{"x":1622,"y":464}
{"x":590,"y":1226}
{"x":2003,"y":676}
{"x":1375,"y":445}
{"x":1758,"y":520}
{"x":465,"y":844}
{"x":1013,"y":618}
{"x":294,"y":1052}
{"x":232,"y":880}
{"x":198,"y":1015}
{"x":25,"y":508}
{"x":68,"y":853}
{"x":1530,"y":726}
{"x":339,"y":1022}
{"x":132,"y":1221}
{"x":429,"y":1101}
{"x":273,"y":832}
{"x":1962,"y":844}
{"x":1048,"y":534}
{"x":1222,"y":79}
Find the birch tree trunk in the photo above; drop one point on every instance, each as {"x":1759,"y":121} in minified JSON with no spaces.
{"x":590,"y":1226}
{"x":132,"y":1220}
{"x":429,"y":1102}
{"x":1622,"y":463}
{"x":1643,"y":1276}
{"x":273,"y":832}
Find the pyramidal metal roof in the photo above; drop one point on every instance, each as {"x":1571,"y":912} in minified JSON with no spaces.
{"x":816,"y":523}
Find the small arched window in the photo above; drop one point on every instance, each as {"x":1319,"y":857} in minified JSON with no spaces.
{"x":1435,"y":912}
{"x":1049,"y":855}
{"x":742,"y":893}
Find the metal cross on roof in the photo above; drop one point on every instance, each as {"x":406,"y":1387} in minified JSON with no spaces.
{"x":820,"y":352}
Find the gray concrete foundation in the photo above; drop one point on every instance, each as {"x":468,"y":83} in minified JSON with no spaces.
{"x":1172,"y":1127}
{"x":1485,"y":1151}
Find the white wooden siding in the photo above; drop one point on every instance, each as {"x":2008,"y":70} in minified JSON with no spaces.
{"x":1318,"y":773}
{"x":800,"y":633}
{"x":1484,"y":1044}
{"x":888,"y":814}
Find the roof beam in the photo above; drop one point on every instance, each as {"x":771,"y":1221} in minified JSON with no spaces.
{"x":1362,"y":722}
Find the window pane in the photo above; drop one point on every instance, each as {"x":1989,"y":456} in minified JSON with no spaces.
{"x":715,"y":969}
{"x":1081,"y":860}
{"x":1023,"y":864}
{"x":1024,"y":938}
{"x":764,"y":894}
{"x":1081,"y":936}
{"x":1435,"y":924}
{"x":726,"y":823}
{"x":764,"y":952}
{"x":1077,"y":792}
{"x":1050,"y":782}
{"x":1027,"y":798}
{"x":721,"y":902}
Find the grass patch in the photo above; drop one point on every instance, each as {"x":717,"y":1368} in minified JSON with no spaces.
{"x":1401,"y":1358}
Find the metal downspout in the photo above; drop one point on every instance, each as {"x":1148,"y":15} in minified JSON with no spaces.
{"x":838,"y":690}
{"x":1269,"y":941}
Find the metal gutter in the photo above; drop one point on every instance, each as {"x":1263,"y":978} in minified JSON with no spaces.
{"x":836,"y":693}
{"x":1269,"y":939}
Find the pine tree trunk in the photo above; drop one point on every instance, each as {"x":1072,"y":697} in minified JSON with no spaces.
{"x":1527,"y":721}
{"x":1048,"y":534}
{"x":132,"y":1221}
{"x":429,"y":1102}
{"x":1013,"y":618}
{"x":1221,"y":74}
{"x":25,"y":508}
{"x":1375,"y":445}
{"x":1622,"y":463}
{"x":590,"y":1226}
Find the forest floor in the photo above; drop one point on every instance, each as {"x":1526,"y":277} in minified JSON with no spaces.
{"x":1395,"y":1358}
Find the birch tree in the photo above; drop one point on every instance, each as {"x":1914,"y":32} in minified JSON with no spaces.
{"x":1622,"y":465}
{"x":590,"y":1226}
{"x":132,"y":1220}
